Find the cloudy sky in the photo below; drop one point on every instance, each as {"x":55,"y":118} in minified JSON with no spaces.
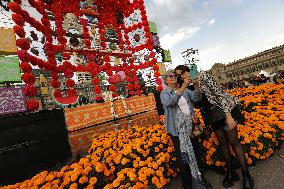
{"x":222,"y":30}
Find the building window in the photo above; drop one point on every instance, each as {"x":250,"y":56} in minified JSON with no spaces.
{"x":266,"y":65}
{"x":248,"y":70}
{"x":273,"y":63}
{"x":259,"y":66}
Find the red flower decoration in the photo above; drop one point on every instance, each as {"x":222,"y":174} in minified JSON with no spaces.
{"x":55,"y":84}
{"x":32,"y":104}
{"x":159,"y":88}
{"x":16,"y":8}
{"x":19,"y":31}
{"x":72,"y":92}
{"x":54,"y":76}
{"x":87,"y":43}
{"x":23,"y":56}
{"x":109,"y":73}
{"x":116,"y":79}
{"x":97,"y":90}
{"x":114,"y":95}
{"x":23,"y":44}
{"x":134,"y":79}
{"x":18,"y":1}
{"x":70,"y":83}
{"x":57,"y":93}
{"x":95,"y":81}
{"x":127,"y":79}
{"x":99,"y":99}
{"x":130,"y":87}
{"x":28,"y":78}
{"x":156,"y":67}
{"x":68,"y":74}
{"x":30,"y":90}
{"x":139,"y":92}
{"x":131,"y":93}
{"x":112,"y":88}
{"x":159,"y":81}
{"x":152,"y":54}
{"x":26,"y":67}
{"x":157,"y":74}
{"x":136,"y":86}
{"x":104,"y":45}
{"x":18,"y":19}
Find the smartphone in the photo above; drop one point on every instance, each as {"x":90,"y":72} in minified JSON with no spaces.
{"x":193,"y":71}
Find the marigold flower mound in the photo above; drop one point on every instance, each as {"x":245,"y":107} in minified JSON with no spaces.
{"x":139,"y":157}
{"x":263,"y":130}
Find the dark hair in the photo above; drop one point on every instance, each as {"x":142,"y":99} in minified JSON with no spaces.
{"x":182,"y":68}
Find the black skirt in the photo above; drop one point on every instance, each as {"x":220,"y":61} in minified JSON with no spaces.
{"x":236,"y":114}
{"x":214,"y":115}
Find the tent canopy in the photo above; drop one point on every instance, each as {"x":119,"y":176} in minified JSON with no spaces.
{"x":266,"y":74}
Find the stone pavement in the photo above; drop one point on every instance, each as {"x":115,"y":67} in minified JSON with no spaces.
{"x":268,"y":174}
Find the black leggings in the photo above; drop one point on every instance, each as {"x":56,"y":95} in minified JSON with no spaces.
{"x":227,"y":138}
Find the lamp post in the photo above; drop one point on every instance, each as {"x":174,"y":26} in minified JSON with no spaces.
{"x":190,"y":56}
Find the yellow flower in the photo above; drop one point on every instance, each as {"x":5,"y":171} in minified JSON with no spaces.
{"x":157,"y":149}
{"x":124,"y":161}
{"x":99,"y":168}
{"x":73,"y":186}
{"x":116,"y":183}
{"x":93,"y":180}
{"x":83,"y":180}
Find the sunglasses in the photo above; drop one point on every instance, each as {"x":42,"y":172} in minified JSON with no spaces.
{"x":172,"y":76}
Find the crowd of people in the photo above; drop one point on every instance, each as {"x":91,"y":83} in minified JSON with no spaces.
{"x":221,"y":113}
{"x":255,"y":80}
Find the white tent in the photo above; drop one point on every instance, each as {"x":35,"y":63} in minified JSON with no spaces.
{"x":266,"y":74}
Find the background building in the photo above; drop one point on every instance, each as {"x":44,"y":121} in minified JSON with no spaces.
{"x":271,"y":60}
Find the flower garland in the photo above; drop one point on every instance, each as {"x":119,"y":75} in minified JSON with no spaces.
{"x":107,"y":15}
{"x":27,"y":76}
{"x":86,"y":34}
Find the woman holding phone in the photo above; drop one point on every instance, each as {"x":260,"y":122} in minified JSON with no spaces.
{"x":222,"y":112}
{"x":179,"y":111}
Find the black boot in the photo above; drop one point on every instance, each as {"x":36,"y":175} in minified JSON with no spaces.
{"x":230,"y":178}
{"x":248,"y":182}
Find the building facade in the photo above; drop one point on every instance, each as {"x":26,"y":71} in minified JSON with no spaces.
{"x":271,"y":60}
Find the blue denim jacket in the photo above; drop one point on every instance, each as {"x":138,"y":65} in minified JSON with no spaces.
{"x":170,"y":100}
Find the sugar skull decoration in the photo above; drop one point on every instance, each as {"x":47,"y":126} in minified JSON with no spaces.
{"x":74,"y":29}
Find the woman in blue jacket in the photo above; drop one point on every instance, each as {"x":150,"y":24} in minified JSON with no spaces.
{"x":179,"y":111}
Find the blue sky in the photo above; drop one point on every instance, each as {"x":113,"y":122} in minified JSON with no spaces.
{"x":222,"y":30}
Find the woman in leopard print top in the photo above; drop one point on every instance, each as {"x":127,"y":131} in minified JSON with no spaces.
{"x":222,"y":112}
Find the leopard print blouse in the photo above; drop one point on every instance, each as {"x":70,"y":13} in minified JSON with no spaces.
{"x":215,"y":95}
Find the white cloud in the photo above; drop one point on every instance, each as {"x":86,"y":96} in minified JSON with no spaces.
{"x":171,"y":15}
{"x":171,"y":39}
{"x":211,"y":22}
{"x":211,"y":50}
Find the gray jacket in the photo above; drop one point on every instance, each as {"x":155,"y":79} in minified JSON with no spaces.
{"x":170,"y":100}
